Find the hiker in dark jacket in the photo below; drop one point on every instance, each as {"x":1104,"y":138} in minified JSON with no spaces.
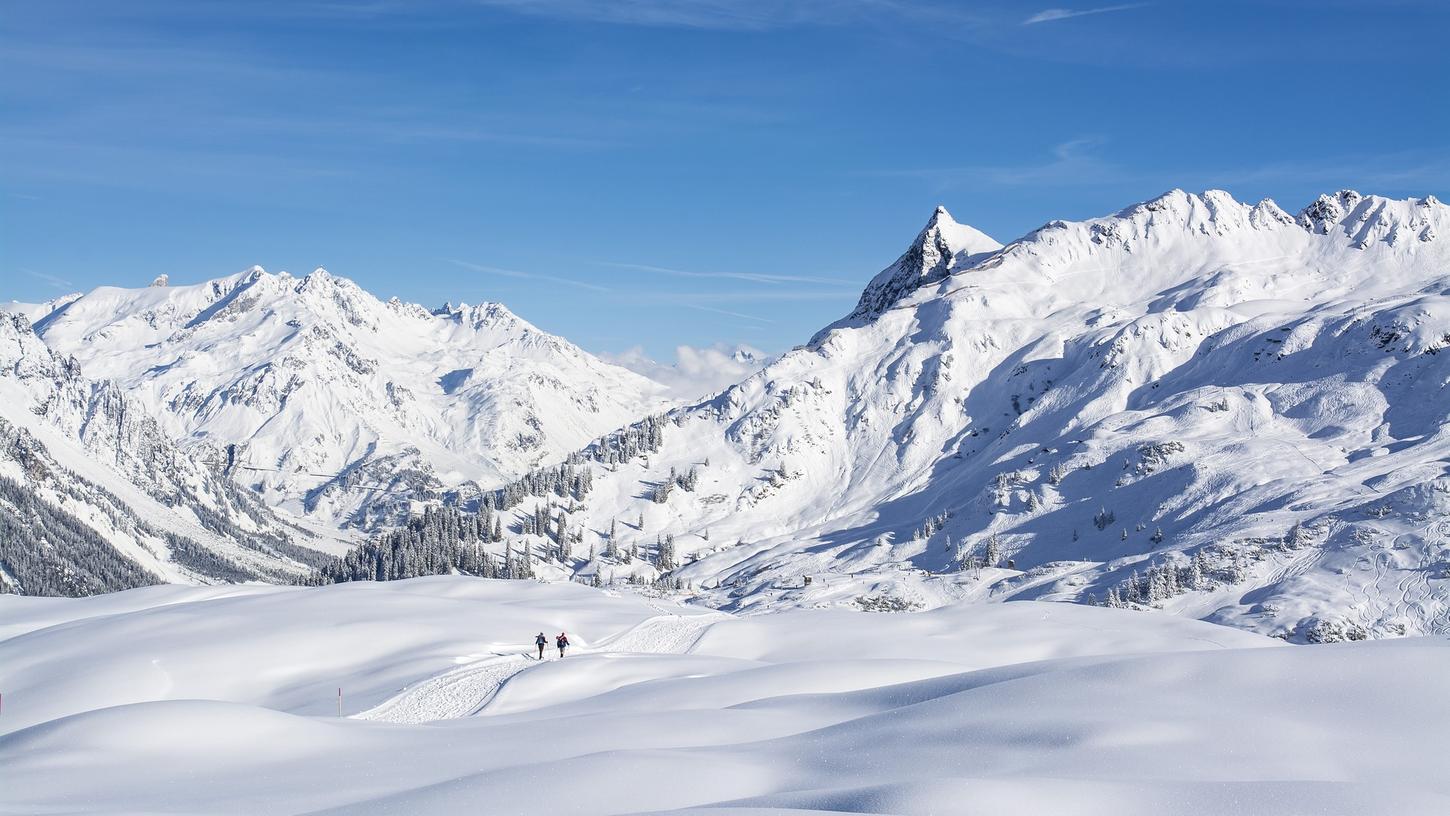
{"x":562,"y":641}
{"x":541,"y":642}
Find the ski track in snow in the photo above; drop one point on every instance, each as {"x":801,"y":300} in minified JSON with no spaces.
{"x":459,"y":692}
{"x":467,"y":690}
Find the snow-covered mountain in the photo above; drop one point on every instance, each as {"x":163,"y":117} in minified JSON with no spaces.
{"x":95,"y":497}
{"x":1194,"y":403}
{"x":1212,"y":407}
{"x":336,"y":405}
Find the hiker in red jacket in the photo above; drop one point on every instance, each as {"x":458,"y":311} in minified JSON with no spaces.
{"x":562,"y":641}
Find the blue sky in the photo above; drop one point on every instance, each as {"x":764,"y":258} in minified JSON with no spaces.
{"x":661,"y":173}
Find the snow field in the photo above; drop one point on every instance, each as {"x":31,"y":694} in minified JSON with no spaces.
{"x":1020,"y":707}
{"x":472,"y":688}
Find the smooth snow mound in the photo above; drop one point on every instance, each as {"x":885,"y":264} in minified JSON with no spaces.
{"x":223,"y":701}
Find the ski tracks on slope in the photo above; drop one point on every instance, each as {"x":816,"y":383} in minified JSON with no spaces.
{"x":455,"y":693}
{"x":468,"y":689}
{"x":665,"y":634}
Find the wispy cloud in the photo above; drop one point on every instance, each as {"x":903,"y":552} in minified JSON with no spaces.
{"x":1405,"y":173}
{"x":749,"y":296}
{"x":59,"y":283}
{"x":1068,"y":163}
{"x":515,"y":273}
{"x":755,"y":277}
{"x":741,"y":315}
{"x":730,"y":15}
{"x":1054,"y":14}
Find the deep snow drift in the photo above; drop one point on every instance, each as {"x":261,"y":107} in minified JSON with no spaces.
{"x":222,"y":700}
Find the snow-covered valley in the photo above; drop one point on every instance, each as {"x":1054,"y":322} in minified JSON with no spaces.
{"x":1199,"y":405}
{"x":1042,"y":528}
{"x":224,"y":700}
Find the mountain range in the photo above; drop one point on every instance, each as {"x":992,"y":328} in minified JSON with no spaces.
{"x":337,"y":406}
{"x":1211,"y":407}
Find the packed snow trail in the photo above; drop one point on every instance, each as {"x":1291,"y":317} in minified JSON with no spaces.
{"x":456,"y":693}
{"x":468,"y":689}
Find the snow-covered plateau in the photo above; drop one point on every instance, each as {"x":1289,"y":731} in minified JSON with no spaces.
{"x":1208,"y":407}
{"x":224,"y":700}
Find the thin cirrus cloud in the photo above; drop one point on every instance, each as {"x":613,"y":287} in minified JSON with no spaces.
{"x":58,"y":283}
{"x":1071,"y":163}
{"x":754,"y":277}
{"x":728,"y":15}
{"x":515,"y":273}
{"x":1052,"y":15}
{"x":726,"y":312}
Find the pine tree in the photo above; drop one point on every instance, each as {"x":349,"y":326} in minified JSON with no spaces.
{"x":1103,"y":518}
{"x":994,"y":550}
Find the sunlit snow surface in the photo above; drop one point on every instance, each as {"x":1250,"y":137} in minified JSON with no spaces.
{"x":223,"y":700}
{"x":1191,"y":378}
{"x":323,"y":387}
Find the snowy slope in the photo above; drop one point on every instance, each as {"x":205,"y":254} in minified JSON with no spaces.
{"x":224,"y":702}
{"x":96,"y":497}
{"x":344,"y":405}
{"x":1194,"y":403}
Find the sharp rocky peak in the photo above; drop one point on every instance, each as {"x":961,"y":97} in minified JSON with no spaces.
{"x":938,"y":248}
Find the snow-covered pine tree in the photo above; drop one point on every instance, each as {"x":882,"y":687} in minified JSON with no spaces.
{"x":1196,"y":570}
